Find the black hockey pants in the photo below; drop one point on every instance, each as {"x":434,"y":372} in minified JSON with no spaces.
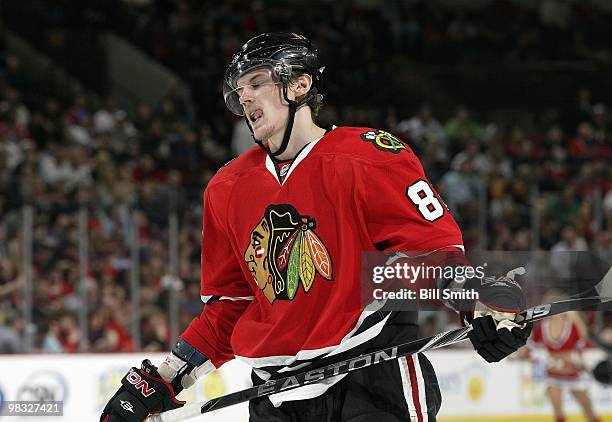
{"x":401,"y":390}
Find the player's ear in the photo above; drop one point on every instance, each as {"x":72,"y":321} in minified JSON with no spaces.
{"x":301,"y":85}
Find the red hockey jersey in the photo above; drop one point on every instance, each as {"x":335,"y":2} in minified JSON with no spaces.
{"x":281,"y":261}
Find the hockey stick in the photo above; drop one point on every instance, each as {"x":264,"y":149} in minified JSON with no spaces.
{"x":603,"y":288}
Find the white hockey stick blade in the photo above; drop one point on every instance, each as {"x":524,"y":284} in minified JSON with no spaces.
{"x":604,"y":287}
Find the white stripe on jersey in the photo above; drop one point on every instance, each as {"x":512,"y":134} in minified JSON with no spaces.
{"x":409,"y":388}
{"x":421,"y":384}
{"x":348,"y":342}
{"x":399,"y":255}
{"x":206,"y":299}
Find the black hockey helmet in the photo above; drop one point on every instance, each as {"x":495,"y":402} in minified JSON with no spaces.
{"x":284,"y":53}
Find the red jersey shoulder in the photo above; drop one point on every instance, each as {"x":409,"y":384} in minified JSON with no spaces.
{"x":244,"y":162}
{"x":366,"y":143}
{"x":251,"y":160}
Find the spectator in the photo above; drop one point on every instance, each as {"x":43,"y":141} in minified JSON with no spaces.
{"x":481,"y":164}
{"x":563,"y":207}
{"x":10,"y":332}
{"x":460,"y":187}
{"x":584,"y":145}
{"x":51,"y":333}
{"x":423,"y":129}
{"x":601,"y":123}
{"x":522,"y":148}
{"x":463,"y":121}
{"x":570,"y":242}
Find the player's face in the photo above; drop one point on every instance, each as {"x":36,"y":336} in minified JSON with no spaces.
{"x":256,"y":255}
{"x":263,"y":103}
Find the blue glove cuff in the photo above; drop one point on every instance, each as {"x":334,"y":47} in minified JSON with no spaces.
{"x":188,"y":353}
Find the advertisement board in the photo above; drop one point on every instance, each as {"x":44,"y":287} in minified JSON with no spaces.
{"x":471,"y":388}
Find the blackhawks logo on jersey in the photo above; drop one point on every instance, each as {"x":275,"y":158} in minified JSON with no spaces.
{"x":384,"y":141}
{"x":284,"y":252}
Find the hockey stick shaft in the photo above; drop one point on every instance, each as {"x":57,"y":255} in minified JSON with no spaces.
{"x":345,"y":366}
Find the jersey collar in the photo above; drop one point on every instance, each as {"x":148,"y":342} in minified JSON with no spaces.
{"x":296,"y":161}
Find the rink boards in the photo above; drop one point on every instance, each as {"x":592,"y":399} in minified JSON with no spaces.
{"x":472,"y":390}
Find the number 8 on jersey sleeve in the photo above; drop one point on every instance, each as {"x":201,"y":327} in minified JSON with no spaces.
{"x":428,"y":204}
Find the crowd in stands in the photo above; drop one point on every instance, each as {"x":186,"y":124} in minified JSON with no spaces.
{"x":196,"y":38}
{"x":184,"y":35}
{"x":128,"y":173}
{"x":130,"y":170}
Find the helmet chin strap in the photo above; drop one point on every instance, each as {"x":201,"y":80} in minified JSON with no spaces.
{"x":293,"y":106}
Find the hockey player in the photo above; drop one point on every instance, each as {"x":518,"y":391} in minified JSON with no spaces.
{"x":284,"y":228}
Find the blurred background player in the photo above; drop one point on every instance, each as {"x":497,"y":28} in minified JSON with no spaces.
{"x":564,"y":337}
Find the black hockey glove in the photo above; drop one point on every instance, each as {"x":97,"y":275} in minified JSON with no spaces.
{"x":495,"y":335}
{"x":143,"y":391}
{"x":603,"y":372}
{"x":153,"y":390}
{"x":493,"y":341}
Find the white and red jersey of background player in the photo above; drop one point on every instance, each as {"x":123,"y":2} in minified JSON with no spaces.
{"x":281,"y":256}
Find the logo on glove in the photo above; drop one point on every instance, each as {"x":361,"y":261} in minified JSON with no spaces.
{"x":140,"y":384}
{"x":127,"y":406}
